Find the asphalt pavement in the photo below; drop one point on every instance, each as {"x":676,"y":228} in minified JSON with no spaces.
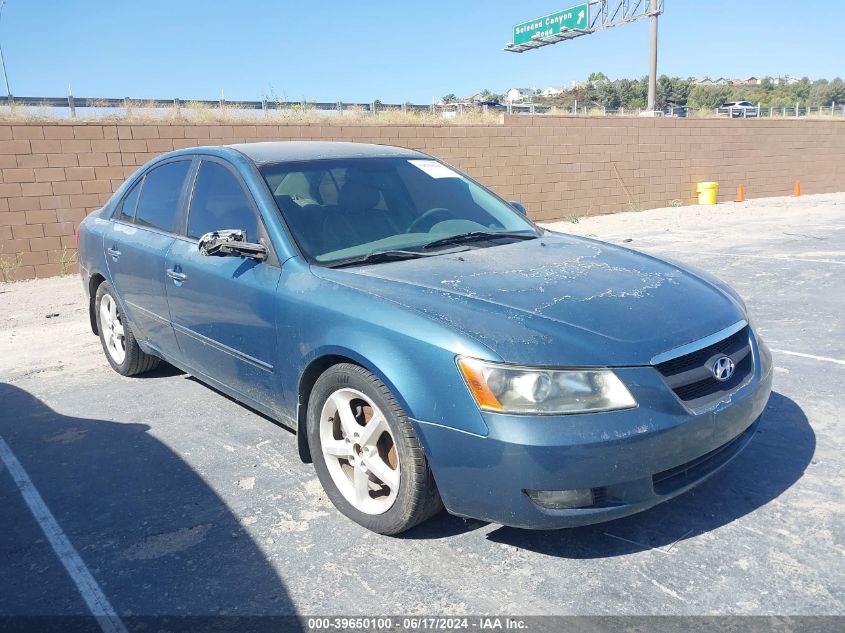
{"x":179,"y":501}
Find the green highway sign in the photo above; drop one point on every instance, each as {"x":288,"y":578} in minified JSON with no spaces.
{"x":577,"y":17}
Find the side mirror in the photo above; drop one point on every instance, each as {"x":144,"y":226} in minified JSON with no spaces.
{"x":230,"y":243}
{"x":518,"y":206}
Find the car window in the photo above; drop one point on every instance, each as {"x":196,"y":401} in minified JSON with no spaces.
{"x":330,"y":183}
{"x":220,"y":202}
{"x":126,"y":208}
{"x":355,"y":206}
{"x":157,"y":207}
{"x":298,"y":185}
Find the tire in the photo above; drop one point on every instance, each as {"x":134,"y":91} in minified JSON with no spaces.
{"x":385,"y":507}
{"x":122,"y":352}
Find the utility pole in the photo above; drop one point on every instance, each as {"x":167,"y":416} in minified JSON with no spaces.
{"x":652,"y":69}
{"x":3,"y":61}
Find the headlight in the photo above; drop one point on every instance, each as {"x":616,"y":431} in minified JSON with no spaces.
{"x":509,"y":389}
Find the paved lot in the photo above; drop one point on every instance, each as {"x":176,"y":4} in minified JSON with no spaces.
{"x":180,"y":501}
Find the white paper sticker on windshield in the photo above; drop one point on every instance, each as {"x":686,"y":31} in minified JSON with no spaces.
{"x":434,"y":169}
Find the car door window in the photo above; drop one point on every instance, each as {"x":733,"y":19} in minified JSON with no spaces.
{"x":299,"y":187}
{"x":158,"y":205}
{"x":126,"y":209}
{"x":220,"y":202}
{"x":329,"y":187}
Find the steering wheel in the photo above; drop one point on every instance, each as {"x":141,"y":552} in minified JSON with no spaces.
{"x":429,"y":219}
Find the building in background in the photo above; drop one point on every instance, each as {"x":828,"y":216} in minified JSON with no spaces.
{"x":552,"y":91}
{"x":520,"y":94}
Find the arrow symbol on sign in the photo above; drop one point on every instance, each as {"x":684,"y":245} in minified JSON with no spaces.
{"x":580,"y":16}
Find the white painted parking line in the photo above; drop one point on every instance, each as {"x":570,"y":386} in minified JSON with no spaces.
{"x":98,"y":604}
{"x":826,"y":359}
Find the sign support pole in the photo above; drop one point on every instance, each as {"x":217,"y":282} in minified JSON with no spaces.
{"x":3,"y":62}
{"x":652,"y":69}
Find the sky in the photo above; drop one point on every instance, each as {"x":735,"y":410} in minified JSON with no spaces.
{"x":394,"y":51}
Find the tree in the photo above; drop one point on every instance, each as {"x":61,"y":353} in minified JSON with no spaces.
{"x":490,"y":97}
{"x":607,"y":95}
{"x":450,"y":98}
{"x":837,"y":90}
{"x":802,"y":88}
{"x":632,"y":93}
{"x":664,"y":91}
{"x":708,"y":97}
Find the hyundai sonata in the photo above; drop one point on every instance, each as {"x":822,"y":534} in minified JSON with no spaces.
{"x":429,"y":345}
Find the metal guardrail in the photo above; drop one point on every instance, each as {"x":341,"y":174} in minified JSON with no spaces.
{"x":832,"y":110}
{"x":71,"y":103}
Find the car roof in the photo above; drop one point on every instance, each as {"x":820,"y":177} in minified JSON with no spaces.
{"x":288,"y":151}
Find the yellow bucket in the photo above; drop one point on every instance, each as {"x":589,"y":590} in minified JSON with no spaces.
{"x":707,"y":192}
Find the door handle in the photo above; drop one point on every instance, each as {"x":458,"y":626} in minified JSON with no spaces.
{"x":175,"y":275}
{"x":113,"y":252}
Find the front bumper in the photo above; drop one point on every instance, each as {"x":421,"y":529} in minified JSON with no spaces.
{"x":638,"y":457}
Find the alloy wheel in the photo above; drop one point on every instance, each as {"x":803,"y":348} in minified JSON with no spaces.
{"x":359,"y":451}
{"x":111,"y":326}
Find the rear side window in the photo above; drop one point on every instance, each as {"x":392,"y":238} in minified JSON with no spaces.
{"x":220,"y":202}
{"x":157,"y":207}
{"x":126,"y":210}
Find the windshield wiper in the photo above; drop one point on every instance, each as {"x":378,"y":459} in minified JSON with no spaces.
{"x":376,"y":257}
{"x":479,"y":236}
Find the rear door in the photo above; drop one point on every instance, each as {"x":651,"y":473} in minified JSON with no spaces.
{"x":223,"y":308}
{"x":142,"y":233}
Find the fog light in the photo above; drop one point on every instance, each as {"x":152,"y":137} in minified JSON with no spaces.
{"x":563,"y":499}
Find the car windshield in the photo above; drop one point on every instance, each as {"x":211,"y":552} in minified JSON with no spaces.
{"x":343,"y":209}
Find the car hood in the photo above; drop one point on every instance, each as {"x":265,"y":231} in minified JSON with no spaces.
{"x":556,"y":300}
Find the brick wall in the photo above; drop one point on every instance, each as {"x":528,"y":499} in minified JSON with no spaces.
{"x":52,"y":174}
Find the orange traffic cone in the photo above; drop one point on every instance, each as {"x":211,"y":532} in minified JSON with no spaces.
{"x":796,"y":190}
{"x":740,"y":193}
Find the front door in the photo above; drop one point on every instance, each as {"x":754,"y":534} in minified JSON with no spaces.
{"x":140,"y":237}
{"x":223,"y":308}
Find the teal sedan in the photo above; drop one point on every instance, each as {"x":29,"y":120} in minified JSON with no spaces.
{"x":429,"y":345}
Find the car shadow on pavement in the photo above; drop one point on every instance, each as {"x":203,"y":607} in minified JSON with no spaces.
{"x":164,"y":370}
{"x":774,"y":460}
{"x":158,"y":540}
{"x":442,"y":525}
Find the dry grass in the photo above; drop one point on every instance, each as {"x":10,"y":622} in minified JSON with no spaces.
{"x":196,"y":112}
{"x":68,"y":261}
{"x":9,"y":265}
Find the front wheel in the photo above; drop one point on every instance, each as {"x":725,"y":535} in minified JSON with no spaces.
{"x":366,"y":454}
{"x":119,"y":344}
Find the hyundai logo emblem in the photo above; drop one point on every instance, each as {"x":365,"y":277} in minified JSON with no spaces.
{"x":723,"y":368}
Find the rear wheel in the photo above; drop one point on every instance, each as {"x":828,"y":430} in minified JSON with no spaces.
{"x":119,"y":344}
{"x":366,"y":454}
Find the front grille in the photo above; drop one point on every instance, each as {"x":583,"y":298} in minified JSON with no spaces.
{"x":599,"y":496}
{"x":693,"y":470}
{"x":699,"y":357}
{"x":691,"y":378}
{"x":709,"y":385}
